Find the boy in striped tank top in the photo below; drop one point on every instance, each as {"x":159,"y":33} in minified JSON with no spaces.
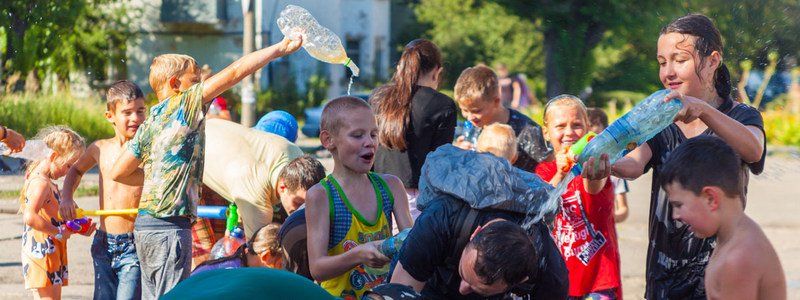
{"x":351,"y":211}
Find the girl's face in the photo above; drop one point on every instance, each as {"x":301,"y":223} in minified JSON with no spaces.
{"x":679,"y":65}
{"x":59,"y":165}
{"x":565,"y":125}
{"x":355,"y":142}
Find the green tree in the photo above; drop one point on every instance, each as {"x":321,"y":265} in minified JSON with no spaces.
{"x":62,"y":36}
{"x":472,"y":31}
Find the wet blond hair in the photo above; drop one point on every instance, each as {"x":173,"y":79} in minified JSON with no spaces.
{"x":64,"y":142}
{"x":566,"y":100}
{"x":476,"y":83}
{"x":500,"y":140}
{"x":166,"y":66}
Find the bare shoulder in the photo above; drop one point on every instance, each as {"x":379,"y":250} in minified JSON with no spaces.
{"x":316,"y":196}
{"x":393,"y":181}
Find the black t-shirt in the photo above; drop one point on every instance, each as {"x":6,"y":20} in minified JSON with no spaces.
{"x":676,"y":260}
{"x":432,"y":124}
{"x":292,"y":237}
{"x":531,"y":147}
{"x":428,"y":253}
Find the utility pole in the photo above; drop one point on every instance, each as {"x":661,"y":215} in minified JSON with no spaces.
{"x":248,"y":93}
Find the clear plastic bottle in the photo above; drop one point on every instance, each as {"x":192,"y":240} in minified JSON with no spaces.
{"x":33,"y":150}
{"x":320,"y":42}
{"x":227,"y":245}
{"x":470,"y":133}
{"x":391,"y":246}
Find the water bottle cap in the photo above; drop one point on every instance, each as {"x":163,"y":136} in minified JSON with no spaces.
{"x":237,"y":233}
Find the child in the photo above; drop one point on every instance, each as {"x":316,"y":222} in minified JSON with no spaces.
{"x":690,"y":59}
{"x":113,"y":250}
{"x":44,"y":237}
{"x":169,"y":148}
{"x":477,"y":94}
{"x":584,"y":229}
{"x":498,"y":139}
{"x":598,"y":121}
{"x":262,"y":250}
{"x":701,"y":178}
{"x":363,"y":204}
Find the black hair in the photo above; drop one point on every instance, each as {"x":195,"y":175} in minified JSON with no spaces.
{"x":302,"y":173}
{"x":504,"y":251}
{"x":704,"y":161}
{"x":708,"y":41}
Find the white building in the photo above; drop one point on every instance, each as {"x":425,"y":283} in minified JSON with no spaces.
{"x":211,"y":32}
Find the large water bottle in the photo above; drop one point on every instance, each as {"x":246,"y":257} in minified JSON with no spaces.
{"x":320,"y":42}
{"x":33,"y":150}
{"x":644,"y":121}
{"x":470,"y":133}
{"x":227,"y":245}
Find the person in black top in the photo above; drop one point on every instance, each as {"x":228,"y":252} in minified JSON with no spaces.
{"x":690,"y":58}
{"x":477,"y":94}
{"x":413,"y":118}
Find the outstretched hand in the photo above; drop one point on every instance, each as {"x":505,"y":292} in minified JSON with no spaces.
{"x":288,"y":46}
{"x":693,"y":108}
{"x":602,"y":171}
{"x":14,"y":140}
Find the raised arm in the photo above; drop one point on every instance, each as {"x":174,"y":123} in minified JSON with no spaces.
{"x":245,"y":66}
{"x":632,"y":165}
{"x":322,"y":266}
{"x":126,"y":170}
{"x":87,"y":161}
{"x":401,"y":210}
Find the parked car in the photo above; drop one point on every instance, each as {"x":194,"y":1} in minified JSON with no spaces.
{"x":313,"y":117}
{"x":778,"y":84}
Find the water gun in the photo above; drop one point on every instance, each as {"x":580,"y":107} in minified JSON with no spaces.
{"x":79,"y":226}
{"x":82,"y":213}
{"x":233,"y":218}
{"x":576,"y":149}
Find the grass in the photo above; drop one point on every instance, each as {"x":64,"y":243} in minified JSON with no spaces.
{"x":80,"y":192}
{"x":27,"y":114}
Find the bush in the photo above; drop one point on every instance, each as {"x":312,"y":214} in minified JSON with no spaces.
{"x":28,"y":113}
{"x":782,"y":128}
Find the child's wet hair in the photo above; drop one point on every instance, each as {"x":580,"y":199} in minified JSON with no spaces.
{"x":476,"y":83}
{"x":302,"y":173}
{"x":708,"y":40}
{"x":565,"y":100}
{"x":122,"y":91}
{"x":62,"y":140}
{"x":166,"y":66}
{"x":498,"y":139}
{"x":704,"y":161}
{"x":335,"y":114}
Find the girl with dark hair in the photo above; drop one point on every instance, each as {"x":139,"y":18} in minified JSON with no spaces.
{"x":690,"y":56}
{"x":413,"y":118}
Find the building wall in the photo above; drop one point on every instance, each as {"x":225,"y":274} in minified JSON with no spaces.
{"x":211,"y":32}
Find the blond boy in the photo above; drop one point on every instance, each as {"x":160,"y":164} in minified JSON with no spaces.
{"x":478,"y":96}
{"x":169,"y":146}
{"x":351,"y":211}
{"x":498,"y":139}
{"x":113,"y":250}
{"x":701,"y":178}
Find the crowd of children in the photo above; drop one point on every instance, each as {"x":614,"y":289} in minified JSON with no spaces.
{"x":158,"y":162}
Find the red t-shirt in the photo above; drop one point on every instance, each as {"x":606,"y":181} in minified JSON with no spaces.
{"x":584,"y":232}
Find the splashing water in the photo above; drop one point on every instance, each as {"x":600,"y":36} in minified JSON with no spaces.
{"x":350,"y":85}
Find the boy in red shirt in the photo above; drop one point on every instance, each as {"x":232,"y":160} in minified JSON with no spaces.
{"x":584,"y":229}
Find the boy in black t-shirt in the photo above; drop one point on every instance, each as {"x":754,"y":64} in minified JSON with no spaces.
{"x":477,"y":95}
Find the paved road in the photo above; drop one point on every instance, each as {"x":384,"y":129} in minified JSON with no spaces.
{"x":773,"y":203}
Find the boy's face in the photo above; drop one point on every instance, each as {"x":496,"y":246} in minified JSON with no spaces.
{"x":696,"y":211}
{"x":291,"y":200}
{"x":480,"y":112}
{"x":355,"y":142}
{"x":126,"y":117}
{"x":565,"y":126}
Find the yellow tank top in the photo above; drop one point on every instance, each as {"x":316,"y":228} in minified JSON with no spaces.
{"x":350,"y":229}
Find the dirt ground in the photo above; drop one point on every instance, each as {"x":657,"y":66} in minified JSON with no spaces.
{"x":772,"y":202}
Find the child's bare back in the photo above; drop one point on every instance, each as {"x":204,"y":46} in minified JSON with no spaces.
{"x":745,"y":266}
{"x":113,"y":194}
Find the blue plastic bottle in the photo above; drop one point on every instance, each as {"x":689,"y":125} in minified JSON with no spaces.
{"x":470,"y":133}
